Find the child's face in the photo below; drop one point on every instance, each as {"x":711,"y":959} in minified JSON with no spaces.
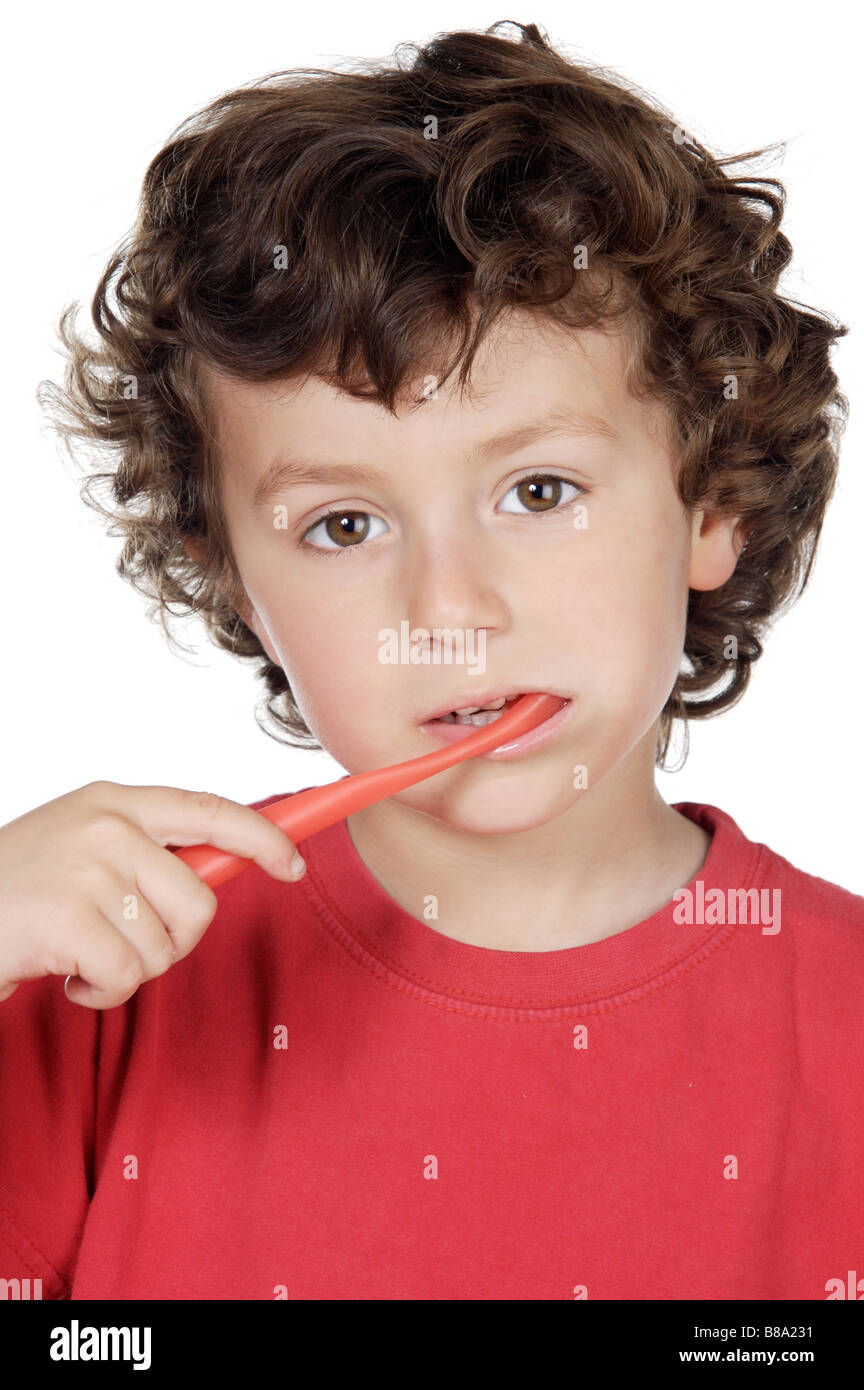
{"x":595,"y":611}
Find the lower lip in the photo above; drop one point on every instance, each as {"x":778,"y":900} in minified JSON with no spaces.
{"x":515,"y":748}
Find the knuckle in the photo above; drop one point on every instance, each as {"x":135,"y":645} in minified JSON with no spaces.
{"x":165,"y":961}
{"x":98,"y":791}
{"x":98,"y":786}
{"x":57,"y":958}
{"x":107,"y":826}
{"x":207,"y":803}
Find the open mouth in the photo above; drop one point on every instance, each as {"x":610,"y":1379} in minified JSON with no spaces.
{"x":450,"y":726}
{"x":478,"y":716}
{"x":485,"y":708}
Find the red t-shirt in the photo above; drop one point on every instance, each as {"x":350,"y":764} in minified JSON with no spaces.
{"x":329,"y":1099}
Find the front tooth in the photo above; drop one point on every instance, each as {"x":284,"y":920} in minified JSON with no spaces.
{"x":476,"y":709}
{"x":478,"y":720}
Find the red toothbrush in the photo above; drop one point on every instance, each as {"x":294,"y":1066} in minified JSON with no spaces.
{"x":304,"y":813}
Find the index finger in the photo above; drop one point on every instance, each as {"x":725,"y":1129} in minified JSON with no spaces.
{"x":175,"y":817}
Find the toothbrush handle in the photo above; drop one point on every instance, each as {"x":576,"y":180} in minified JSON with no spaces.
{"x":307,"y":812}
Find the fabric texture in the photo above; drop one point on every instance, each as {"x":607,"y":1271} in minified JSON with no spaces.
{"x":330,"y":1099}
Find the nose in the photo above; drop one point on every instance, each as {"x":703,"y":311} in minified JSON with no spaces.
{"x":455,"y":582}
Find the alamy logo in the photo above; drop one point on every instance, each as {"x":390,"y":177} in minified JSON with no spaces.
{"x":102,"y":1344}
{"x":458,"y":646}
{"x":23,"y":1289}
{"x":718,"y":906}
{"x":845,"y":1288}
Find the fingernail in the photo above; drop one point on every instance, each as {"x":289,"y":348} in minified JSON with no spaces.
{"x":298,"y":865}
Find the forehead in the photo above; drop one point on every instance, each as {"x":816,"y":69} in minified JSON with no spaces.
{"x":525,"y":369}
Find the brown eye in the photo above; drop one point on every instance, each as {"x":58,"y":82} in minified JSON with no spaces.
{"x":341,"y":532}
{"x":541,"y":493}
{"x":341,"y":526}
{"x":345,"y":531}
{"x":535,"y":492}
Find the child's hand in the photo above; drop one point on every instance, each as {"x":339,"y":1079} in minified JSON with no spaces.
{"x":87,"y":889}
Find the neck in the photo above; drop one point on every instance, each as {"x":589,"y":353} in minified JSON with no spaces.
{"x":612,"y":859}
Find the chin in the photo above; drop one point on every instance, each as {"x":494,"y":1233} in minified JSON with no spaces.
{"x":503,"y":806}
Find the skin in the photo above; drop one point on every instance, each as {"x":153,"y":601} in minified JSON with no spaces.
{"x":518,"y":858}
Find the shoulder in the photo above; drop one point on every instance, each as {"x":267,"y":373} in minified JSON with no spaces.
{"x":821,"y":958}
{"x":837,"y":912}
{"x":803,"y":898}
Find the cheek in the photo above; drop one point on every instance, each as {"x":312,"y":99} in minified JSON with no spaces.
{"x":329,"y":657}
{"x":626,"y":606}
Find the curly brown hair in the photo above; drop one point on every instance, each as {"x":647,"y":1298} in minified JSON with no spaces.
{"x":415,"y":203}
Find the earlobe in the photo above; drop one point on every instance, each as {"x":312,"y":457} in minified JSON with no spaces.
{"x":251,"y":619}
{"x":247,"y":614}
{"x":714,"y":550}
{"x":194,"y":548}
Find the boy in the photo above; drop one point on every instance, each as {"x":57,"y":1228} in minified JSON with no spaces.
{"x":523,"y":1031}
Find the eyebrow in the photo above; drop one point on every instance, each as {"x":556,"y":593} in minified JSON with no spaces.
{"x":289,"y":472}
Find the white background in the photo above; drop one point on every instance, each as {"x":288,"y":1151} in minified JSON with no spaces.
{"x":92,"y":91}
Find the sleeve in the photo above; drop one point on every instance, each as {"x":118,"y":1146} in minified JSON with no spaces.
{"x":49,"y":1052}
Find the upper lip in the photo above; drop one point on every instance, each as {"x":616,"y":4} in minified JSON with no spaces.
{"x":479,"y":698}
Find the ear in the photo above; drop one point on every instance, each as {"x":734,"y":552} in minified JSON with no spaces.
{"x":252,"y":619}
{"x":196,"y":548}
{"x":715,"y":544}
